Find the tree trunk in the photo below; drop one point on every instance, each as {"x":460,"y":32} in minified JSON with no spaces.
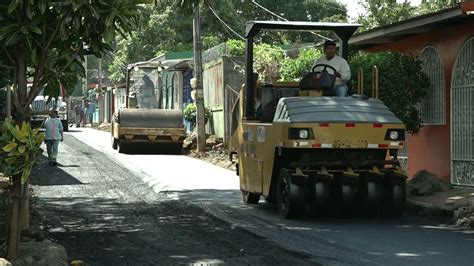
{"x":22,"y":115}
{"x":13,"y":238}
{"x":25,"y":207}
{"x":23,"y":108}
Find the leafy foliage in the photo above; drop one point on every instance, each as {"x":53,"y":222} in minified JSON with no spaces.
{"x":402,"y":83}
{"x":168,"y":27}
{"x":235,"y":47}
{"x":20,"y":145}
{"x":272,"y":63}
{"x":190,"y":114}
{"x":267,"y":61}
{"x":429,"y":6}
{"x":44,"y":42}
{"x":295,"y":69}
{"x":382,"y":12}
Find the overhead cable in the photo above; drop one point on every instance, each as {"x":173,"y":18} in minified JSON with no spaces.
{"x":227,"y":26}
{"x":282,"y":18}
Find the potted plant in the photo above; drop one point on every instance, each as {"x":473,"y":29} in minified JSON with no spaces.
{"x":19,"y":147}
{"x":190,"y":114}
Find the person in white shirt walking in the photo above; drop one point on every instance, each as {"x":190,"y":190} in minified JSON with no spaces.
{"x":54,"y":134}
{"x":343,"y":72}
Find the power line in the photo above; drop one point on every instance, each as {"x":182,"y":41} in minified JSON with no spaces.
{"x":282,"y":18}
{"x":268,"y":11}
{"x":227,"y":26}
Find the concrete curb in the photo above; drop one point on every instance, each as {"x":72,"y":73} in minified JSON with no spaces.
{"x":41,"y":253}
{"x":428,"y":210}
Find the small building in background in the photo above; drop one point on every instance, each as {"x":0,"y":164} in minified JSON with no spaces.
{"x":222,"y":81}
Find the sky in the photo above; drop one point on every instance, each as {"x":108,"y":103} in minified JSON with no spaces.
{"x":353,"y":9}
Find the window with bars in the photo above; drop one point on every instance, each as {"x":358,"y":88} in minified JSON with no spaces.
{"x":462,"y":116}
{"x":433,"y":111}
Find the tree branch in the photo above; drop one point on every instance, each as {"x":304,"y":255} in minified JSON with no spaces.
{"x":5,"y":66}
{"x":8,"y":55}
{"x":40,"y":64}
{"x":70,"y":61}
{"x":53,"y":36}
{"x":34,"y":90}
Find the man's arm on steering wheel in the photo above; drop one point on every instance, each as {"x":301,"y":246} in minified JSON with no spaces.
{"x":345,"y":74}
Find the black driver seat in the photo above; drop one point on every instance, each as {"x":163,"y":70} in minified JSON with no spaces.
{"x":317,"y":81}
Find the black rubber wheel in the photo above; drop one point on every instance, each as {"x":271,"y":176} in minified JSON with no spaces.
{"x":290,"y":197}
{"x":121,"y":146}
{"x":319,"y":201}
{"x":179,"y":149}
{"x":114,"y":143}
{"x":349,"y":205}
{"x":249,"y":197}
{"x":374,"y":201}
{"x":395,"y":198}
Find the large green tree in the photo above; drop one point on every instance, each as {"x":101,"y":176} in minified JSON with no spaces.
{"x":168,"y":27}
{"x":384,"y":12}
{"x":44,"y":41}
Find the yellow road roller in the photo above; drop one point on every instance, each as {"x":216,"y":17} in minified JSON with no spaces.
{"x":311,"y":153}
{"x":144,"y":118}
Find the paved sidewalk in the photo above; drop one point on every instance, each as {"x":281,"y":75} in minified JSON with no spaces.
{"x":442,"y":204}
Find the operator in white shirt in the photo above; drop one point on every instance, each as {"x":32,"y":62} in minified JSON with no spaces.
{"x":343,"y":72}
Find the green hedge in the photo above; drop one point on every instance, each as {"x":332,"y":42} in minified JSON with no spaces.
{"x":402,"y":84}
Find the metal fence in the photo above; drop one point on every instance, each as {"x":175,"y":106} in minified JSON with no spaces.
{"x":462,"y":117}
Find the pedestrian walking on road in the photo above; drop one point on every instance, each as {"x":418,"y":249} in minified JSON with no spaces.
{"x":79,"y":114}
{"x":54,"y":134}
{"x":89,"y":110}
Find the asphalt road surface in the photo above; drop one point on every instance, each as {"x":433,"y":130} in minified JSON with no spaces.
{"x":153,"y":209}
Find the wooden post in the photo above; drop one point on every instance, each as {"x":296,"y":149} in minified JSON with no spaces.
{"x":25,"y":207}
{"x":200,"y":122}
{"x":13,"y":239}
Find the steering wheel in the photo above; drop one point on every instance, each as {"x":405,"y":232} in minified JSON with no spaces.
{"x":332,"y":77}
{"x":324,"y":68}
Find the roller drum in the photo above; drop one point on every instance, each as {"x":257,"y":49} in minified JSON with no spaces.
{"x":151,"y":118}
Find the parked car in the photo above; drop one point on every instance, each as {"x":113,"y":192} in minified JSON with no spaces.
{"x":40,"y":107}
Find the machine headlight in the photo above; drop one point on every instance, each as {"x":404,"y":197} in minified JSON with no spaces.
{"x":394,"y":135}
{"x":303,"y":133}
{"x":300,"y":133}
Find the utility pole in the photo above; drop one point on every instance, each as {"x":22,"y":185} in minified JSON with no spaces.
{"x":84,"y":89}
{"x":100,"y":97}
{"x":201,"y":131}
{"x":99,"y":75}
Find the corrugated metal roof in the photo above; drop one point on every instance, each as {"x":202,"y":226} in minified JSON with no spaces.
{"x":333,"y":109}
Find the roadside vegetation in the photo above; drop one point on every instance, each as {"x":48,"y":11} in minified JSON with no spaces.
{"x":45,"y":44}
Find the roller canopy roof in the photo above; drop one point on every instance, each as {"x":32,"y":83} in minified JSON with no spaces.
{"x":333,"y":110}
{"x":341,"y":29}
